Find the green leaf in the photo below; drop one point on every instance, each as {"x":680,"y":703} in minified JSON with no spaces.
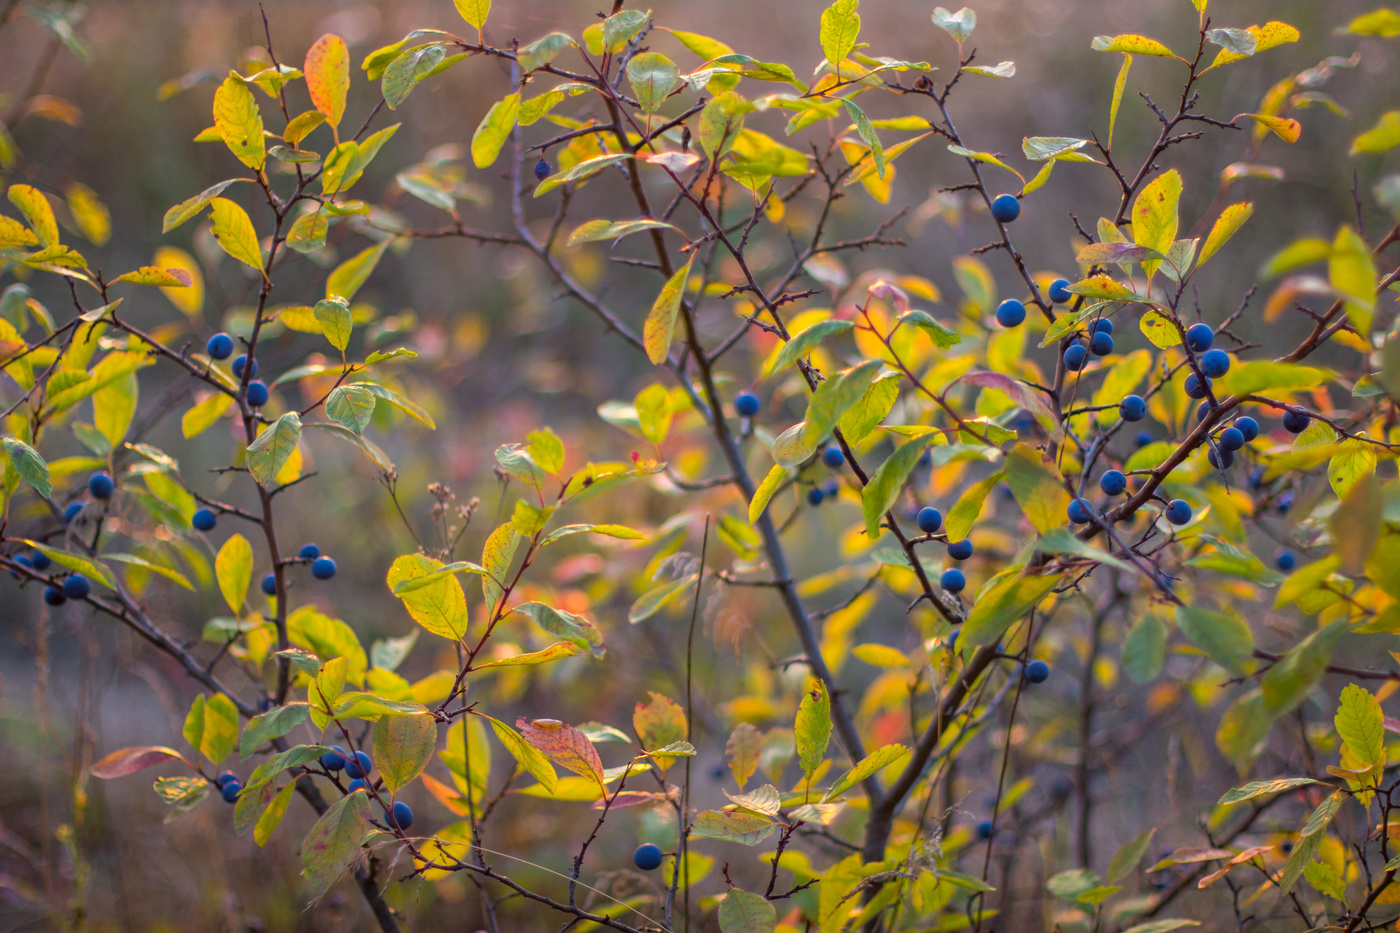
{"x":405,"y":72}
{"x":943,"y":338}
{"x":345,"y":280}
{"x":653,"y":76}
{"x":1288,"y":682}
{"x":965,"y":512}
{"x":185,"y":210}
{"x":1069,"y":885}
{"x":563,"y":624}
{"x":333,"y":844}
{"x":1225,"y":639}
{"x":1381,"y":137}
{"x":1325,"y":879}
{"x":333,"y":315}
{"x":739,"y":826}
{"x":621,"y":28}
{"x":1126,"y":859}
{"x":594,"y":230}
{"x":875,"y":762}
{"x":805,"y":341}
{"x":862,"y":417}
{"x":840,"y":27}
{"x":661,"y":320}
{"x":269,"y":451}
{"x":1248,"y":378}
{"x":525,"y":754}
{"x":1155,"y":214}
{"x":239,"y":122}
{"x":352,"y":406}
{"x":813,"y":726}
{"x":867,"y":132}
{"x":652,"y":601}
{"x":583,"y":170}
{"x":959,"y":25}
{"x":234,"y":569}
{"x":541,"y":52}
{"x":1351,"y":269}
{"x":721,"y":122}
{"x":741,"y":911}
{"x":1063,"y":541}
{"x":272,"y":816}
{"x":1310,"y":840}
{"x":496,"y":557}
{"x":270,"y":725}
{"x":1004,"y":599}
{"x":404,"y":405}
{"x":1144,"y":649}
{"x":494,"y":129}
{"x":884,"y":487}
{"x":403,"y":747}
{"x":32,"y":468}
{"x":834,"y":397}
{"x":1037,"y":487}
{"x":1361,"y":724}
{"x":1260,"y":788}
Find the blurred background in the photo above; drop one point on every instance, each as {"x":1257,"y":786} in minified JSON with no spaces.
{"x":124,"y":87}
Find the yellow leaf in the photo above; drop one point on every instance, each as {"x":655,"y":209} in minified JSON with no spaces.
{"x":89,"y":213}
{"x":190,"y":298}
{"x":327,"y":70}
{"x":494,"y":129}
{"x":1285,"y":129}
{"x":474,"y":11}
{"x":37,"y":210}
{"x":1118,"y":86}
{"x":234,"y":231}
{"x":1265,"y":37}
{"x":1155,"y":216}
{"x":199,"y":418}
{"x":1230,"y":220}
{"x":661,"y":321}
{"x":234,"y":569}
{"x":1134,"y":44}
{"x":239,"y":122}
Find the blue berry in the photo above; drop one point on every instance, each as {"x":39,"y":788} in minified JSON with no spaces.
{"x":1220,"y":460}
{"x":1080,"y":511}
{"x":358,"y":765}
{"x":309,"y":552}
{"x":1005,"y":208}
{"x":333,"y":760}
{"x":1199,"y":337}
{"x":1295,"y":421}
{"x":1103,"y":325}
{"x":1230,"y":439}
{"x":1143,"y":438}
{"x":323,"y":568}
{"x":101,"y":486}
{"x":1178,"y":512}
{"x":1059,"y":292}
{"x":219,"y":347}
{"x":257,"y":394}
{"x":984,"y":829}
{"x":815,"y":496}
{"x":1284,"y":559}
{"x":224,"y":778}
{"x":1113,"y":483}
{"x":1248,"y":427}
{"x":1285,"y":501}
{"x":929,"y":520}
{"x":76,"y":586}
{"x":239,"y":363}
{"x":54,"y":596}
{"x":357,"y":784}
{"x":952,"y":639}
{"x":269,"y":584}
{"x":1075,"y":357}
{"x":830,"y":488}
{"x":1256,"y":477}
{"x":1101,"y":344}
{"x":1195,"y":387}
{"x":24,"y":561}
{"x":230,"y":791}
{"x":953,"y":580}
{"x":833,"y":457}
{"x":1215,"y":363}
{"x":71,"y":512}
{"x":40,"y":560}
{"x":204,"y":519}
{"x":1132,"y":408}
{"x":1010,"y":313}
{"x":647,"y":857}
{"x":1203,"y":410}
{"x":541,"y":169}
{"x":746,"y":404}
{"x":1037,"y":672}
{"x":400,"y":815}
{"x":960,"y":550}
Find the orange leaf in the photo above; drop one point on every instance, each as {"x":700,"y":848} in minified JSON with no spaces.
{"x":446,"y":796}
{"x":327,"y":70}
{"x":130,"y":760}
{"x":566,"y":746}
{"x":1284,"y":128}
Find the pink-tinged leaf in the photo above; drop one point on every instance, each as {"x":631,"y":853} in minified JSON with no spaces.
{"x":1023,"y":395}
{"x":660,"y":722}
{"x":333,"y":844}
{"x":1116,"y":252}
{"x":629,"y":798}
{"x":1391,"y":724}
{"x":742,"y":750}
{"x":130,"y":760}
{"x":564,"y":745}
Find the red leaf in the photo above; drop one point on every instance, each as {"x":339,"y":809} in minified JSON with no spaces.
{"x":130,"y":760}
{"x":565,"y":746}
